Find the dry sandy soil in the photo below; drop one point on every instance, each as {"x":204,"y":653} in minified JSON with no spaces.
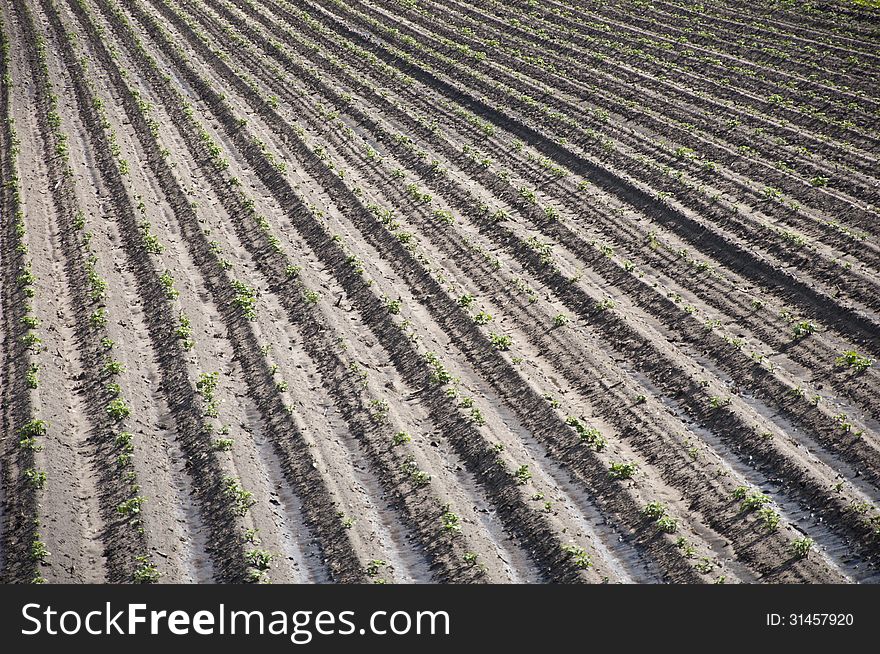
{"x":440,"y":291}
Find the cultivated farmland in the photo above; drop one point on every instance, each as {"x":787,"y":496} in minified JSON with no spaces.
{"x":440,"y":291}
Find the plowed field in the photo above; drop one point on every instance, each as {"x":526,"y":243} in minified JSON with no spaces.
{"x":440,"y":291}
